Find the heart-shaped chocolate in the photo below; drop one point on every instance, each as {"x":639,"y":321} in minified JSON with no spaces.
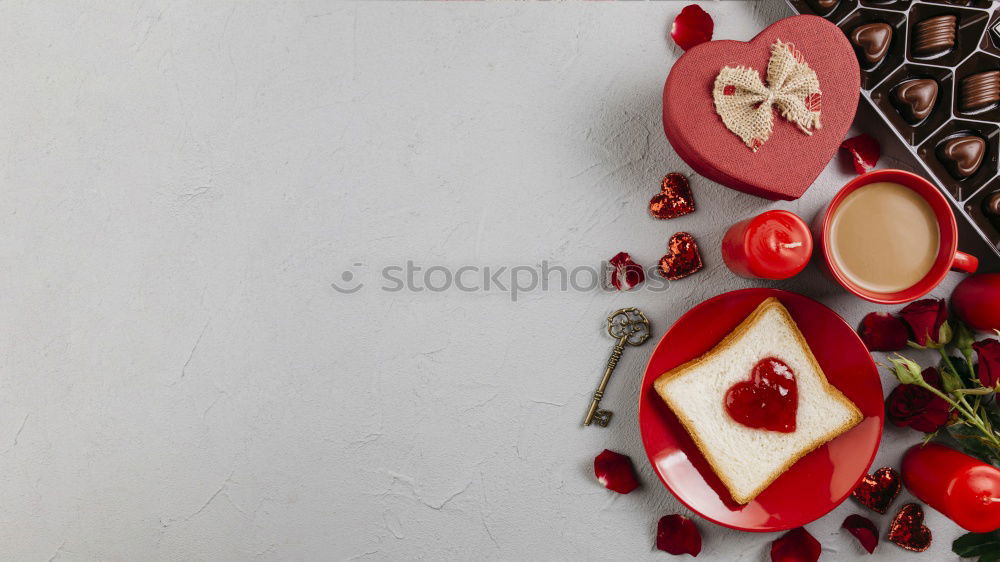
{"x":908,"y":530}
{"x":683,"y":258}
{"x":788,"y":163}
{"x":915,"y":98}
{"x":675,"y":198}
{"x":769,"y":399}
{"x":963,"y":155}
{"x":877,"y":490}
{"x":872,"y":41}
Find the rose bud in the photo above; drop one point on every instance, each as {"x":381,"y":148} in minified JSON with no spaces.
{"x":691,"y":27}
{"x":863,"y":529}
{"x":882,"y":331}
{"x":677,"y":534}
{"x":928,"y":320}
{"x":625,"y":272}
{"x":988,"y":355}
{"x":909,"y":405}
{"x":615,"y":472}
{"x":796,"y":545}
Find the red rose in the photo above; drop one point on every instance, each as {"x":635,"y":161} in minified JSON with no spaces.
{"x":909,"y":405}
{"x":988,"y":354}
{"x":925,"y":319}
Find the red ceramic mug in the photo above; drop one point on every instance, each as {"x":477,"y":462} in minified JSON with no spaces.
{"x":948,"y":256}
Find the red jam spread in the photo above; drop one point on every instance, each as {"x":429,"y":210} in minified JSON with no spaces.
{"x":768,"y":400}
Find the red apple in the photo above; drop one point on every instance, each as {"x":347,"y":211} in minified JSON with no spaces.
{"x":976,"y":301}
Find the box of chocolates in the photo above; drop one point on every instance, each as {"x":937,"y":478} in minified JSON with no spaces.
{"x":931,"y":69}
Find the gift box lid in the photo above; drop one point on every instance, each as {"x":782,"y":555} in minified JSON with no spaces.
{"x":787,"y":163}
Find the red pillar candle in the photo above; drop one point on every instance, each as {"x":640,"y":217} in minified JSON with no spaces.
{"x":959,"y":486}
{"x":772,"y":245}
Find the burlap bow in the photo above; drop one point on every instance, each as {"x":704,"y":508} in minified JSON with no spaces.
{"x":744,"y":102}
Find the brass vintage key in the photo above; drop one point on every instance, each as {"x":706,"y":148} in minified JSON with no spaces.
{"x":630,"y":327}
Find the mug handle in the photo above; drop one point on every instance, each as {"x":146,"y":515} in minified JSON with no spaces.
{"x":965,"y":263}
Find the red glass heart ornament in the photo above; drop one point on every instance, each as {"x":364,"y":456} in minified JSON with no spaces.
{"x":877,"y":490}
{"x":683,"y":258}
{"x":675,"y":198}
{"x":691,"y":27}
{"x":908,"y":530}
{"x":789,"y":162}
{"x":769,"y":399}
{"x":882,"y":331}
{"x":796,"y":545}
{"x":615,"y":472}
{"x":625,"y":272}
{"x":677,"y":534}
{"x":863,"y":529}
{"x":863,"y":151}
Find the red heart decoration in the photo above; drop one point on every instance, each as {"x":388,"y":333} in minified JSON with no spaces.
{"x":908,"y":530}
{"x":877,"y":490}
{"x":683,"y":259}
{"x":769,"y":399}
{"x":675,"y":198}
{"x":788,"y":163}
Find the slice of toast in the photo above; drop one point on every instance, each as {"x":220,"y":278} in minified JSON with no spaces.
{"x":746,"y":459}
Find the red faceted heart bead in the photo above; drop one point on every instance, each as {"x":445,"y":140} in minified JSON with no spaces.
{"x":675,"y":198}
{"x":877,"y":490}
{"x":768,"y":400}
{"x":908,"y":530}
{"x":683,"y":259}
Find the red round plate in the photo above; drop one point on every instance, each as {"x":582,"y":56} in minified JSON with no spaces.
{"x":815,"y":484}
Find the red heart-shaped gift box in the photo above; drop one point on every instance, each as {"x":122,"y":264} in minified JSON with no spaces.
{"x":787,"y":163}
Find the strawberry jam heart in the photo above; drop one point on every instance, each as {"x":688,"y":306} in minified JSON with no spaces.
{"x":877,"y":490}
{"x":768,"y":400}
{"x":908,"y":530}
{"x":683,"y":259}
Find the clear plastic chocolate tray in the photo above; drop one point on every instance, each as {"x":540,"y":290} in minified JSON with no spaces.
{"x":975,"y":49}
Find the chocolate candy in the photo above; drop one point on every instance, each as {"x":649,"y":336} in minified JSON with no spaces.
{"x":995,"y":33}
{"x":980,"y":90}
{"x":963,"y":155}
{"x":824,"y":5}
{"x":934,"y":35}
{"x":991,"y":205}
{"x":915,"y":98}
{"x":872,"y":41}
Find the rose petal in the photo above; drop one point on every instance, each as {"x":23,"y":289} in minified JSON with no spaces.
{"x":796,"y":545}
{"x":863,"y":151}
{"x":625,"y":272}
{"x":883,"y":332}
{"x":863,"y":529}
{"x":675,"y":198}
{"x":677,"y":534}
{"x":908,"y":530}
{"x":925,"y":318}
{"x":691,"y":27}
{"x":988,"y":355}
{"x":615,"y":472}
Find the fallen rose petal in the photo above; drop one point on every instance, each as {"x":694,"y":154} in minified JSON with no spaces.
{"x":863,"y":529}
{"x":883,"y":332}
{"x":908,"y":530}
{"x":615,"y":472}
{"x":691,"y":27}
{"x":796,"y":545}
{"x":988,"y":355}
{"x":863,"y":151}
{"x":925,"y":318}
{"x":909,"y":405}
{"x":677,"y":534}
{"x":625,"y":272}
